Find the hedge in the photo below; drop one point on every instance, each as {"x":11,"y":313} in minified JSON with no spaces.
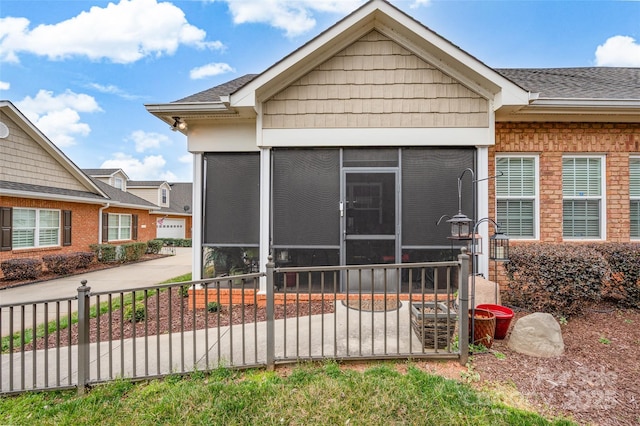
{"x":66,"y":263}
{"x":21,"y":269}
{"x":566,"y":279}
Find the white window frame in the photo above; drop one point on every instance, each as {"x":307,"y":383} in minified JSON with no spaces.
{"x":602,"y":198}
{"x":633,"y":198}
{"x":535,"y":197}
{"x":36,"y":229}
{"x":119,"y":227}
{"x":164,"y":197}
{"x":118,"y":183}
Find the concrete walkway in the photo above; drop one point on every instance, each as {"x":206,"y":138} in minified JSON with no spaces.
{"x":135,"y":275}
{"x":347,"y":333}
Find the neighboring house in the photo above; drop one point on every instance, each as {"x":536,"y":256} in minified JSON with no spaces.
{"x":49,"y":206}
{"x":174,"y":199}
{"x":172,"y":218}
{"x":350,"y":149}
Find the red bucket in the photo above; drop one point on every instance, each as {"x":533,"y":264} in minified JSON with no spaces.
{"x":503,"y":315}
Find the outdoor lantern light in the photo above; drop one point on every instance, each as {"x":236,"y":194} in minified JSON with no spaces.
{"x":499,"y":247}
{"x":178,"y":124}
{"x":460,"y":227}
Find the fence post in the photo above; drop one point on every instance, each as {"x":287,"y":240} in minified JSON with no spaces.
{"x":463,"y":297}
{"x":271,"y":345}
{"x":83,"y":336}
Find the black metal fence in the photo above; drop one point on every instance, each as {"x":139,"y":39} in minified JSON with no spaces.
{"x":284,"y":315}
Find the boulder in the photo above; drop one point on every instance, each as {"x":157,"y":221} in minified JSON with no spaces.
{"x":486,"y":291}
{"x":537,"y":335}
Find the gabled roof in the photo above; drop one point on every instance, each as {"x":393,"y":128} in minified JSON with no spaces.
{"x":55,"y":153}
{"x":125,"y":199}
{"x":181,"y":197}
{"x":146,"y":183}
{"x":104,"y":172}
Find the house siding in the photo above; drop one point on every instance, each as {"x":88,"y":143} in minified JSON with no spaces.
{"x":375,"y":83}
{"x":23,"y":160}
{"x":553,"y":140}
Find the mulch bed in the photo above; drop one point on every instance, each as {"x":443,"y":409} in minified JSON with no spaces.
{"x":182,"y":318}
{"x":597,"y":379}
{"x":376,"y":305}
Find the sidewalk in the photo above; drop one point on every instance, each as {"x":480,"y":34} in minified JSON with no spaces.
{"x":142,"y":274}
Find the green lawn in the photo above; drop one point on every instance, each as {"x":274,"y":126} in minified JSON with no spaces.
{"x":311,"y":394}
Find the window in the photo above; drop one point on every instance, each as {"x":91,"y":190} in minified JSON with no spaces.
{"x":35,"y":228}
{"x":119,"y":184}
{"x":119,"y":227}
{"x":163,"y":197}
{"x":582,"y":189}
{"x":516,"y":195}
{"x":634,"y":195}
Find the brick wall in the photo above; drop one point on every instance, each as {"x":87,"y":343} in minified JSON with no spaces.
{"x":146,"y":223}
{"x":553,"y":140}
{"x":84,"y":226}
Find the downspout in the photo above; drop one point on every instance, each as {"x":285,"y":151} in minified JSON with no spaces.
{"x":106,"y":206}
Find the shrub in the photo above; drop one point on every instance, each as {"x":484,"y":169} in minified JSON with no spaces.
{"x":131,"y":252}
{"x":623,"y":286}
{"x":154,"y":246}
{"x":21,"y":269}
{"x":85,"y":258}
{"x":61,"y":264}
{"x":137,"y":316}
{"x":105,"y":253}
{"x":213,"y":307}
{"x":561,"y":279}
{"x":184,"y":290}
{"x":177,"y":242}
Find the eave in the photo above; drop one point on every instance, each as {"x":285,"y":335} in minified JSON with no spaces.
{"x":571,"y":110}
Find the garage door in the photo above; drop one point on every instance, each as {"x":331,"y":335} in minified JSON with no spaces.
{"x":170,"y":228}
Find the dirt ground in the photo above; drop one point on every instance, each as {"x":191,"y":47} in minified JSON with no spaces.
{"x":595,"y":382}
{"x":597,"y":379}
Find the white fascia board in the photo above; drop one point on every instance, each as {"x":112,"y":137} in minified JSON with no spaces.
{"x":588,"y":110}
{"x":474,"y":136}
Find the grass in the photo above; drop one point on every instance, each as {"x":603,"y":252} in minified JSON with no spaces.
{"x":65,"y":321}
{"x":318,"y":394}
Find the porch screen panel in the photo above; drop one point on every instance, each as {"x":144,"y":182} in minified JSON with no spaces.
{"x":430,"y":190}
{"x":306,"y":197}
{"x":232,"y":199}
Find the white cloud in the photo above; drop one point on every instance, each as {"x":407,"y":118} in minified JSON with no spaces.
{"x":122,"y":33}
{"x":148,"y":140}
{"x":58,"y":116}
{"x":418,"y":3}
{"x":618,"y":51}
{"x":186,"y":159}
{"x":210,"y":70}
{"x":4,"y":85}
{"x":113,"y":90}
{"x":295,"y":17}
{"x":149,"y":168}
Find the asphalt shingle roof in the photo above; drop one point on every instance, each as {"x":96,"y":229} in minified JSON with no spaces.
{"x":17,"y":186}
{"x":134,"y":183}
{"x":578,"y":83}
{"x":568,"y":83}
{"x":123,"y":197}
{"x":100,"y":172}
{"x":213,"y":94}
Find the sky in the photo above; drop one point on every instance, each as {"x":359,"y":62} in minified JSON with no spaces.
{"x":82,"y":70}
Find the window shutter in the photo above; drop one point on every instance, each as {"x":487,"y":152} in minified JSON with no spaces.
{"x":134,"y":227}
{"x":105,"y":227}
{"x":5,"y":228}
{"x":66,"y":227}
